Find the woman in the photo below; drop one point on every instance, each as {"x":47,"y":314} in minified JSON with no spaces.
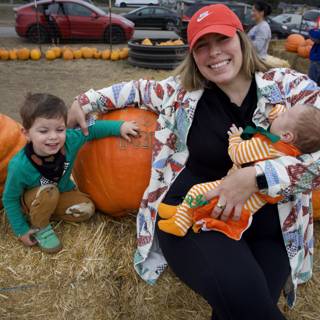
{"x":222,"y":81}
{"x":260,"y":34}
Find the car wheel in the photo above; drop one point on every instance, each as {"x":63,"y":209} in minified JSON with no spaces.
{"x":122,"y":5}
{"x":117,"y":35}
{"x":37,"y":35}
{"x":170,"y":26}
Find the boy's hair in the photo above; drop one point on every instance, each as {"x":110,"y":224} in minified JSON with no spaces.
{"x":42,"y":105}
{"x":307,"y":130}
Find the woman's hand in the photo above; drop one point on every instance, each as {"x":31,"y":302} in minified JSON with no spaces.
{"x":26,"y":238}
{"x":233,"y":192}
{"x":76,"y":116}
{"x":129,"y":128}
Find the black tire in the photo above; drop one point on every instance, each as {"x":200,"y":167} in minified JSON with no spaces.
{"x":117,"y":35}
{"x":122,"y":5}
{"x":153,"y":65}
{"x":36,"y":35}
{"x":160,"y":57}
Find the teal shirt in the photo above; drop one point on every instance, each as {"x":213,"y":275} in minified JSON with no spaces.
{"x":22,"y":175}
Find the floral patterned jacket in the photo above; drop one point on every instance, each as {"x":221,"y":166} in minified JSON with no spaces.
{"x":293,"y":178}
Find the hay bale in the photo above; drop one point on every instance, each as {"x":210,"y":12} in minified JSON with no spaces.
{"x":276,"y":62}
{"x":93,"y":278}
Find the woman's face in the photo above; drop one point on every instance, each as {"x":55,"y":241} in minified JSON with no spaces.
{"x":256,"y":15}
{"x":218,"y":58}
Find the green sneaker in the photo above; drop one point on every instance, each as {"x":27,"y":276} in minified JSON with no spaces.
{"x":48,"y":240}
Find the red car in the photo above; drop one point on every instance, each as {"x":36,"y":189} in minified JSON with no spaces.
{"x":73,"y":19}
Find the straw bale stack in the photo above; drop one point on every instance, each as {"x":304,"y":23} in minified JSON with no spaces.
{"x":93,"y":278}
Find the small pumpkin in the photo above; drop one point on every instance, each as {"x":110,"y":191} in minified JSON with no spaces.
{"x":50,"y":55}
{"x":77,"y":54}
{"x":11,"y":141}
{"x":106,"y":54}
{"x":13,"y":54}
{"x":304,"y":51}
{"x":115,"y":55}
{"x":68,"y":54}
{"x":97,"y":54}
{"x":124,"y":53}
{"x":87,"y":53}
{"x":293,"y":42}
{"x":57,"y":51}
{"x":35,"y":54}
{"x":113,"y":171}
{"x":309,"y":42}
{"x":4,"y":54}
{"x":23,"y":54}
{"x":146,"y":42}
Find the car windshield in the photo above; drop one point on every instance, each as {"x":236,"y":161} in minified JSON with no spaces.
{"x":311,"y":15}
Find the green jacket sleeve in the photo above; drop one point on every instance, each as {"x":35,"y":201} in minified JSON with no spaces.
{"x":13,"y":191}
{"x":104,"y":128}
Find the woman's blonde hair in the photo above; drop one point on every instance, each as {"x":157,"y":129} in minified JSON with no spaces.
{"x":191,"y":78}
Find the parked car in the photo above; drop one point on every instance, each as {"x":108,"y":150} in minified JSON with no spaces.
{"x":135,"y":3}
{"x":153,"y":17}
{"x":309,"y":21}
{"x":242,"y":10}
{"x":75,"y":19}
{"x":282,"y":24}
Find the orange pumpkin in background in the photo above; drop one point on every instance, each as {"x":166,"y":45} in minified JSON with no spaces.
{"x":294,"y":41}
{"x":114,"y":172}
{"x":316,"y":204}
{"x":11,"y":141}
{"x":304,"y":51}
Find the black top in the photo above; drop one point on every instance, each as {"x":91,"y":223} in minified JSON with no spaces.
{"x":208,"y":139}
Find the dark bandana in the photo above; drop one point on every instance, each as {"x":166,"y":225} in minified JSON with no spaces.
{"x":52,"y":167}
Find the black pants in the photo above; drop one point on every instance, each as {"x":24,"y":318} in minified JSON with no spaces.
{"x":241,"y":280}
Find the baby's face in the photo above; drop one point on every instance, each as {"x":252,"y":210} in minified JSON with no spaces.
{"x":286,"y":121}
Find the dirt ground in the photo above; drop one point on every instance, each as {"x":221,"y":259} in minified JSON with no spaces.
{"x":65,"y":79}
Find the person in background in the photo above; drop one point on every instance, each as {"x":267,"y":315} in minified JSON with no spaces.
{"x":260,"y":34}
{"x":314,"y":68}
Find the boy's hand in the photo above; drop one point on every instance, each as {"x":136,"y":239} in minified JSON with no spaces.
{"x":234,"y":130}
{"x":129,"y":128}
{"x":27,"y":241}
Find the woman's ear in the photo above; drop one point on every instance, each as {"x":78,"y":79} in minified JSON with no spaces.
{"x":287,"y":136}
{"x":26,"y":133}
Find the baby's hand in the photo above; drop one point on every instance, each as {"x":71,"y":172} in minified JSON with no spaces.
{"x":129,"y":128}
{"x":27,"y":240}
{"x":234,"y":130}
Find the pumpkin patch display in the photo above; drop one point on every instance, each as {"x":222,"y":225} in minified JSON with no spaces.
{"x":293,"y":42}
{"x":114,"y":172}
{"x":50,"y":55}
{"x":11,"y":141}
{"x":67,"y":54}
{"x":5,"y":54}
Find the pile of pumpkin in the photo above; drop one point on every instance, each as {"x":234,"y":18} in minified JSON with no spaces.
{"x":298,"y":44}
{"x":148,"y":42}
{"x":66,"y":53}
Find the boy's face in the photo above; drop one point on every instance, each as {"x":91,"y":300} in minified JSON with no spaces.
{"x":286,"y":121}
{"x":47,"y":135}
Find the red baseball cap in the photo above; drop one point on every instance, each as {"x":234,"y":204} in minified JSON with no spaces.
{"x":215,"y":18}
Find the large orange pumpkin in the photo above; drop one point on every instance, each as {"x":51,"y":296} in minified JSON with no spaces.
{"x":11,"y":141}
{"x":293,"y":42}
{"x":112,"y":171}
